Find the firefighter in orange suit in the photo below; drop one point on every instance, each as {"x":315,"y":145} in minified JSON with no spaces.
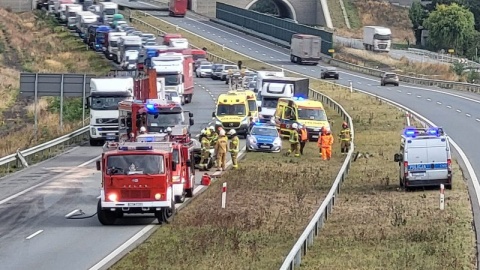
{"x":325,"y":143}
{"x":221,"y":148}
{"x":303,"y":138}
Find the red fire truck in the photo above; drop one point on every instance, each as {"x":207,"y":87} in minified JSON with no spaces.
{"x":149,"y":110}
{"x":182,"y":147}
{"x":178,"y":8}
{"x":137,"y":178}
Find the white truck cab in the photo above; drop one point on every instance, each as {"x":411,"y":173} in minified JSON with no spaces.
{"x":105,"y":94}
{"x":112,"y":50}
{"x":170,"y":67}
{"x":107,"y":10}
{"x":424,"y":158}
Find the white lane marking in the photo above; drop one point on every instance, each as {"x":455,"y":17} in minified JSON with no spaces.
{"x":73,"y":212}
{"x":284,"y":54}
{"x":34,"y":234}
{"x":478,"y":120}
{"x":439,"y":103}
{"x":359,"y":82}
{"x":409,"y":93}
{"x":459,"y":111}
{"x":448,"y":106}
{"x":467,"y":115}
{"x":43,"y":183}
{"x":418,"y":96}
{"x":429,"y":99}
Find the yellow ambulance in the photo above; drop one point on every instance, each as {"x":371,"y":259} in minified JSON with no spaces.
{"x":252,"y":103}
{"x":232,"y":112}
{"x":310,"y":113}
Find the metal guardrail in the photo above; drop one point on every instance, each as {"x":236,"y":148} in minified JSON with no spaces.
{"x":306,"y":239}
{"x":446,"y":58}
{"x":413,"y":80}
{"x":41,"y":152}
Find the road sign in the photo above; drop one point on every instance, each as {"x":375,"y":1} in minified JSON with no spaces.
{"x":54,"y":85}
{"x":331,"y":50}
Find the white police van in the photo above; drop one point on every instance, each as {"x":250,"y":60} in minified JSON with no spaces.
{"x":424,"y":158}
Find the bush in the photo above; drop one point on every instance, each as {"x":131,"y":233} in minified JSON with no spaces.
{"x":72,"y":108}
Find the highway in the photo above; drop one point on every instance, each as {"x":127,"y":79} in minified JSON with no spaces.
{"x":33,"y":203}
{"x":458,"y":112}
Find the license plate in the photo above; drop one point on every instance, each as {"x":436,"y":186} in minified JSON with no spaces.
{"x":418,"y":174}
{"x":315,"y":136}
{"x":135,"y":204}
{"x":265,"y":146}
{"x":110,"y":137}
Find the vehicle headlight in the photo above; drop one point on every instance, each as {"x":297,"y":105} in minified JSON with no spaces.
{"x":94,"y":132}
{"x":277,"y":142}
{"x":252,"y":140}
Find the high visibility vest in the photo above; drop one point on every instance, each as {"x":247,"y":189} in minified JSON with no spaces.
{"x":304,"y":134}
{"x":293,"y":136}
{"x":345,"y":134}
{"x":235,"y":144}
{"x":205,"y":143}
{"x":326,"y":141}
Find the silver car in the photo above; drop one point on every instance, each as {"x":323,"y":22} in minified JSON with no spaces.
{"x":263,"y":138}
{"x":204,"y":71}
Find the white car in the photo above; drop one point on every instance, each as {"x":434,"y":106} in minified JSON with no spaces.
{"x":204,"y":71}
{"x":173,"y":96}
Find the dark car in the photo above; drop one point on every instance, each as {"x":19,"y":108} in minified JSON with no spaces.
{"x":216,"y":71}
{"x":329,"y":72}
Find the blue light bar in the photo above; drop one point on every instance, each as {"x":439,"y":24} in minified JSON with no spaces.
{"x":413,"y":132}
{"x":298,"y":98}
{"x":126,"y":148}
{"x":410,"y":132}
{"x":150,"y":107}
{"x":258,"y":124}
{"x":148,"y":139}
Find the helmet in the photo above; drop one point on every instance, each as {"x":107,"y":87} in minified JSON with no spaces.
{"x":169,"y":129}
{"x":143,"y":129}
{"x":232,"y":132}
{"x":294,"y":125}
{"x":222,"y":132}
{"x":211,"y":128}
{"x":345,"y":125}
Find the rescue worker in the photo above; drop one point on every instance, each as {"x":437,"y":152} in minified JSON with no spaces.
{"x":213,"y":135}
{"x":303,"y":138}
{"x":221,"y":150}
{"x":205,"y":142}
{"x":345,"y":138}
{"x":325,"y":143}
{"x":229,"y":77}
{"x":168,"y":136}
{"x":251,"y":124}
{"x":294,"y":141}
{"x":234,"y":147}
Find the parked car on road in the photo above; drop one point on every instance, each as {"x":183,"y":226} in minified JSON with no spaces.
{"x":389,"y":78}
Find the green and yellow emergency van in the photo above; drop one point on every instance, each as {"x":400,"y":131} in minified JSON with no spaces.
{"x":310,"y":113}
{"x":232,"y":112}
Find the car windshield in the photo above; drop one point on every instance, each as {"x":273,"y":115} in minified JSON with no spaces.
{"x":164,"y":120}
{"x":105,"y":103}
{"x":110,"y":11}
{"x":231,"y":109}
{"x":136,"y":164}
{"x":113,"y":43}
{"x":271,"y":132}
{"x":269,"y":102}
{"x":252,"y":105}
{"x":316,"y":114}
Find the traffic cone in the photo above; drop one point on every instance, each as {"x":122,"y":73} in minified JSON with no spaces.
{"x":206,"y":179}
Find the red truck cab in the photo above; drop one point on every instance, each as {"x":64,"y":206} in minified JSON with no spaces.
{"x":182,"y":152}
{"x":137,"y":178}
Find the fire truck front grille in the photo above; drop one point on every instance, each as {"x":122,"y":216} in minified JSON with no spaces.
{"x":135,"y":194}
{"x":231,"y":124}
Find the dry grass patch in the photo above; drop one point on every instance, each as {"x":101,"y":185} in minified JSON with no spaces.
{"x":35,"y":44}
{"x":377,"y":12}
{"x":377,"y":129}
{"x":402,"y":66}
{"x":270,"y":199}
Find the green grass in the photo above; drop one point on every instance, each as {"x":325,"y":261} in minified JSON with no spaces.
{"x":363,"y":217}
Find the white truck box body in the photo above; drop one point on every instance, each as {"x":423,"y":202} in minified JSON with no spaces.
{"x":305,"y":48}
{"x":169,"y":63}
{"x":262,"y":74}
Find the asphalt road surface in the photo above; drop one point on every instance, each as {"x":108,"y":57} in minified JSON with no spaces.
{"x":457,"y":112}
{"x":34,"y":233}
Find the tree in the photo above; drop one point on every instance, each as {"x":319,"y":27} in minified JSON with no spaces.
{"x":265,"y":6}
{"x":417,"y":15}
{"x":449,"y":27}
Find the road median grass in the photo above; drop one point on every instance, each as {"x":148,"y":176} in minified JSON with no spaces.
{"x":373,"y":180}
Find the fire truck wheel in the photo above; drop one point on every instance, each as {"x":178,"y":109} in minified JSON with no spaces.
{"x":189,"y":191}
{"x":180,"y":198}
{"x":105,"y":217}
{"x":166,"y":214}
